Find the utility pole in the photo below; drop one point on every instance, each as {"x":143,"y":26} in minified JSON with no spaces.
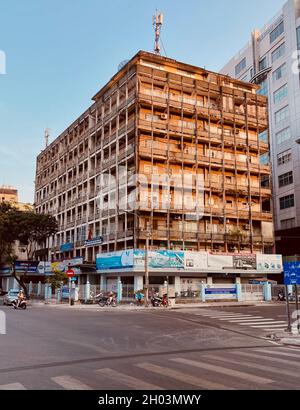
{"x":147,"y":269}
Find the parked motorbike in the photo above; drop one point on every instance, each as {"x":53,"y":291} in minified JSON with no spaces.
{"x":156,"y":301}
{"x":106,"y":300}
{"x":19,"y":304}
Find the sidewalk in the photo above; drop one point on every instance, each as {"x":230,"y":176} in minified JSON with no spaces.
{"x":132,"y":306}
{"x":286,"y":338}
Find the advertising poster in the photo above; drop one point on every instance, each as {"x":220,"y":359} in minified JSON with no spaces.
{"x":115,"y":260}
{"x":159,"y":259}
{"x":269,"y":263}
{"x":195,"y":260}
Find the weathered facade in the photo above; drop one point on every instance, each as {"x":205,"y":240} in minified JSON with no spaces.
{"x":169,"y":151}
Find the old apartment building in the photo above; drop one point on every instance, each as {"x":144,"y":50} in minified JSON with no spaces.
{"x":169,"y":151}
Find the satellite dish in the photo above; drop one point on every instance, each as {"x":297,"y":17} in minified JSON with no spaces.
{"x":122,"y":64}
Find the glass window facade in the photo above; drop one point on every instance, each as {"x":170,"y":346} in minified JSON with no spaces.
{"x":278,"y":52}
{"x":284,"y":157}
{"x":277,"y":32}
{"x":263,"y":64}
{"x":280,"y":72}
{"x":280,"y":94}
{"x":287,"y":202}
{"x":264,"y":88}
{"x":264,"y":136}
{"x":283,"y":135}
{"x":282,"y":115}
{"x":285,"y":179}
{"x":240,"y":66}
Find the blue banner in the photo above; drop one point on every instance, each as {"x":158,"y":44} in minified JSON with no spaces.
{"x":115,"y":260}
{"x":26,"y":267}
{"x":65,"y":247}
{"x":291,"y":273}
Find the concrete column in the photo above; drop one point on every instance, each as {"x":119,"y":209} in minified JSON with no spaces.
{"x":58,"y":295}
{"x":177,"y":283}
{"x":103,"y":282}
{"x":209,"y":280}
{"x":119,"y":290}
{"x":203,"y":287}
{"x":238,"y":280}
{"x":87,"y":290}
{"x":138,"y":283}
{"x":267,"y":292}
{"x":39,"y":289}
{"x":239,"y":292}
{"x":49,"y":292}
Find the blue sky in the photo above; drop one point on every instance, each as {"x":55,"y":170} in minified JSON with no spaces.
{"x":59,"y":53}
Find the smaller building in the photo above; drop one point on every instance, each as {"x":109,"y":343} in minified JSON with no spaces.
{"x":185,"y":271}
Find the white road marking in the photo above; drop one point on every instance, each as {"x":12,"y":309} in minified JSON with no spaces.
{"x":256,"y":366}
{"x":69,"y":383}
{"x":232,"y":317}
{"x":129,"y":381}
{"x":278,"y":353}
{"x":228,"y":372}
{"x":12,"y":386}
{"x":267,"y":358}
{"x":254,"y":319}
{"x":182,"y":377}
{"x":266,"y":325}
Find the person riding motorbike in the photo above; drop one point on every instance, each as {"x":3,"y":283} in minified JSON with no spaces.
{"x":21,"y":297}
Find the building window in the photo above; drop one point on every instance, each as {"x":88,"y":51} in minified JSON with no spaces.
{"x":284,"y":157}
{"x":277,"y":32}
{"x":288,"y":223}
{"x":240,"y":66}
{"x":287,"y":202}
{"x":278,"y":52}
{"x":283,"y":135}
{"x":263,"y":64}
{"x":264,"y":159}
{"x":285,"y":179}
{"x":263,"y":88}
{"x":279,"y":73}
{"x":264,"y":137}
{"x":282,"y":115}
{"x":280,"y":94}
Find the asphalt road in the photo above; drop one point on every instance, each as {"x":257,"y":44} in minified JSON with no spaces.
{"x":201,"y":349}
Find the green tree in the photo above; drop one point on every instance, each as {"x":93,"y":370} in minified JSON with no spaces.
{"x":27,"y":227}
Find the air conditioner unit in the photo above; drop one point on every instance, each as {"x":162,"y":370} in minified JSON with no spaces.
{"x":163,"y":116}
{"x":247,"y":227}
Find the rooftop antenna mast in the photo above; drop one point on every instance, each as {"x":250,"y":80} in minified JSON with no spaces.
{"x":158,"y":20}
{"x":47,"y":135}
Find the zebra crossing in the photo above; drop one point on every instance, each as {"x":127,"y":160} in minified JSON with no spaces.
{"x":249,"y":368}
{"x":245,"y":320}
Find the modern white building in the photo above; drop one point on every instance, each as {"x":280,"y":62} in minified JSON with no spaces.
{"x":270,"y":59}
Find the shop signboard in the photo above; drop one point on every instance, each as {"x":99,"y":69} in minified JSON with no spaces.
{"x":26,"y":267}
{"x":215,"y":292}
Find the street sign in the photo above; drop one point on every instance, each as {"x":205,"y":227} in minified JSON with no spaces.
{"x":70,"y":273}
{"x":291,"y":273}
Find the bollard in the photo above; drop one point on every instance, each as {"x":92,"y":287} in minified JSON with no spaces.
{"x":87,"y":291}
